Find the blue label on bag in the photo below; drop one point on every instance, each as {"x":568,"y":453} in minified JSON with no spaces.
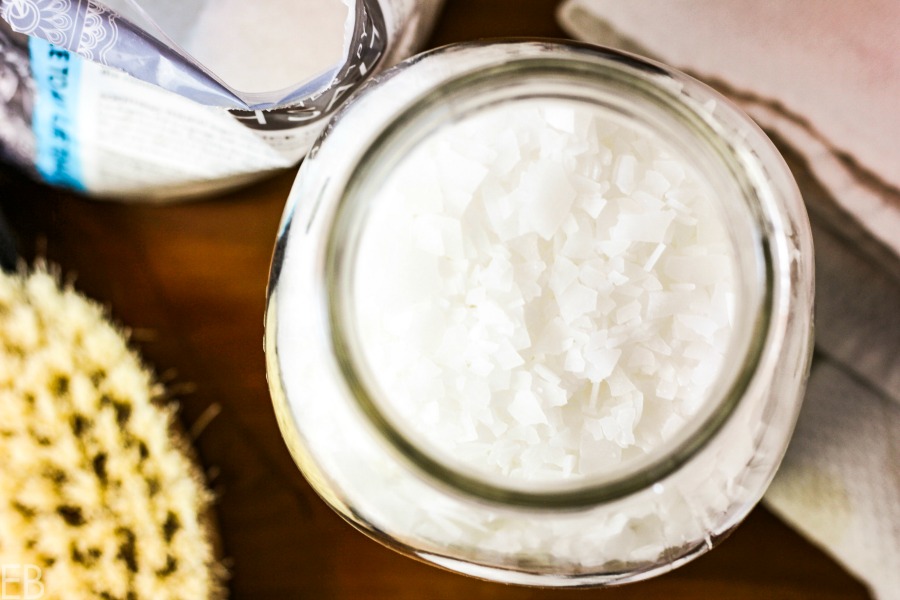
{"x":56,"y":75}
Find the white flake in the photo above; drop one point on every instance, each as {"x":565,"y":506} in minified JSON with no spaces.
{"x":551,"y":292}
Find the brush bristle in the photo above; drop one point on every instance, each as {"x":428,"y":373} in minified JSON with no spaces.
{"x":95,"y":489}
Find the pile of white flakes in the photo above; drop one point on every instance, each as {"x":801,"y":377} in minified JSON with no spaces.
{"x":544,"y":292}
{"x":267,"y":45}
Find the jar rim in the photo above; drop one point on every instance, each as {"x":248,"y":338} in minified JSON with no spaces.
{"x":654,"y":83}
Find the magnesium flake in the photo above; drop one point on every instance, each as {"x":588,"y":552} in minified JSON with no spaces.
{"x":544,"y":292}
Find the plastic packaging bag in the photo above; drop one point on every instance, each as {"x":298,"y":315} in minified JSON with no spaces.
{"x":163,"y":99}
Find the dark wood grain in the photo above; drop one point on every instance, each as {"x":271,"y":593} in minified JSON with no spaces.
{"x":189,"y":279}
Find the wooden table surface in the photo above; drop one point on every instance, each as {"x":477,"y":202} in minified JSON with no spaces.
{"x":190,"y":280}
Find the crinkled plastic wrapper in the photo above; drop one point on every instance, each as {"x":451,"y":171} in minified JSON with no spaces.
{"x":163,"y":99}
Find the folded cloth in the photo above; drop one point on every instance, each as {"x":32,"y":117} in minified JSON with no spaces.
{"x":823,"y":79}
{"x":824,"y":76}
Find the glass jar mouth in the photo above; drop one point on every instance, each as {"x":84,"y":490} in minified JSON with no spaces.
{"x":637,"y":82}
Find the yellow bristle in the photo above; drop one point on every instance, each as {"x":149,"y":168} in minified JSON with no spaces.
{"x":95,"y":490}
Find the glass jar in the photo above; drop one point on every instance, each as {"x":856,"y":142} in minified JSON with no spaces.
{"x":380,"y":472}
